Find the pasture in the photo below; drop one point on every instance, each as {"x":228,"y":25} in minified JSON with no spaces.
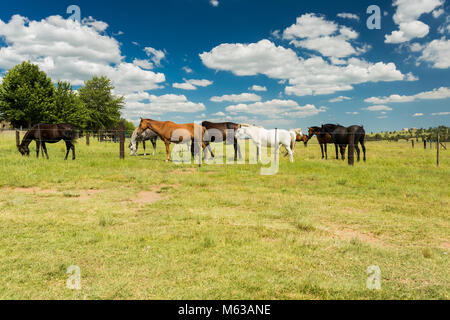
{"x":140,"y":228}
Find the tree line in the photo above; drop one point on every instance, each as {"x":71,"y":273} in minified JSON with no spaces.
{"x":28,"y":97}
{"x":422,"y":134}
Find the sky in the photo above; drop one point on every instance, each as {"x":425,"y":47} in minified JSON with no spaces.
{"x":277,"y":64}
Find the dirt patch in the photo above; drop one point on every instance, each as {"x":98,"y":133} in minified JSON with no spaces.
{"x":148,"y":197}
{"x":32,"y":190}
{"x":445,"y":245}
{"x":345,"y":233}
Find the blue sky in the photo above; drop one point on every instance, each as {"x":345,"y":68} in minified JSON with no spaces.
{"x":170,"y":58}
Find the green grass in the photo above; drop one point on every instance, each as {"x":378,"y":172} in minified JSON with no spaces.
{"x":223,"y":231}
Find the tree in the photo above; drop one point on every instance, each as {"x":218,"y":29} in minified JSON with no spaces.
{"x":102,"y":107}
{"x":68,"y":106}
{"x":129,"y":126}
{"x":26,"y":96}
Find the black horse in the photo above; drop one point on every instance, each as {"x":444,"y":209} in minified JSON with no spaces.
{"x":49,"y":133}
{"x":222,"y":132}
{"x":343,"y":137}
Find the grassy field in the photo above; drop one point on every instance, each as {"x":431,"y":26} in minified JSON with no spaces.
{"x":145,"y":229}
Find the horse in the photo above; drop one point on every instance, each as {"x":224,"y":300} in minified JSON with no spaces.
{"x":343,"y":137}
{"x":145,"y":136}
{"x":324,"y":139}
{"x":299,"y":136}
{"x":171,"y":132}
{"x":270,"y":138}
{"x":49,"y":133}
{"x":226,"y":132}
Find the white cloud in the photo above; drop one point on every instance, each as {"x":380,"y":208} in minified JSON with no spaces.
{"x":315,"y":33}
{"x":144,"y":64}
{"x":340,"y":99}
{"x":418,"y":115}
{"x":258,"y":88}
{"x":187,"y":69}
{"x":142,"y":104}
{"x":219,"y":114}
{"x":97,"y":25}
{"x":277,"y":109}
{"x":437,"y":53}
{"x":352,"y":113}
{"x":68,"y":50}
{"x":406,"y":17}
{"x":441,"y":114}
{"x":345,"y":15}
{"x":311,"y":76}
{"x":214,"y":3}
{"x":155,"y":55}
{"x":192,"y":84}
{"x":378,"y":108}
{"x":437,"y":13}
{"x":436,"y":94}
{"x":244,"y":97}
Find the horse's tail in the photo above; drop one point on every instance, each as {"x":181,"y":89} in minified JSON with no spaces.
{"x":293,"y":140}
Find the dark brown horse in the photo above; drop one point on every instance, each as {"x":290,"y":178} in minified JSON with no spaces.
{"x":343,"y":137}
{"x":49,"y":133}
{"x":324,"y":139}
{"x":222,"y":132}
{"x":171,"y":132}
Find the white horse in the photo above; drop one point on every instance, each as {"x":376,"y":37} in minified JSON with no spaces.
{"x":270,"y":138}
{"x":145,"y":136}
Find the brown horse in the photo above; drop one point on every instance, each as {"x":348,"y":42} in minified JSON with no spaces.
{"x":324,"y":139}
{"x":222,"y":132}
{"x":171,"y":132}
{"x":48,"y":133}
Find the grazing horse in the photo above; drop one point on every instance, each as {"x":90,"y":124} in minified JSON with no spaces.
{"x":300,"y":137}
{"x":170,"y":132}
{"x":145,"y":136}
{"x":269,"y":138}
{"x":324,"y":139}
{"x":49,"y":133}
{"x":220,"y":132}
{"x":343,"y":137}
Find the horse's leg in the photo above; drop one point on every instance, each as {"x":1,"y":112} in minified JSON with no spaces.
{"x":321,"y":148}
{"x":337,"y":153}
{"x":145,"y":149}
{"x":343,"y":152}
{"x":291,"y":153}
{"x":239,"y":150}
{"x":326,"y":151}
{"x":45,"y":149}
{"x":154,"y":145}
{"x":68,"y":147}
{"x":364,"y":149}
{"x":38,"y":146}
{"x":167,"y":150}
{"x":73,"y":150}
{"x":358,"y":152}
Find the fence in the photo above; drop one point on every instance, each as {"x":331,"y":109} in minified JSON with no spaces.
{"x":119,"y":136}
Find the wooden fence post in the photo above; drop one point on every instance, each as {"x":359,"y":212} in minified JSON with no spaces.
{"x":412,"y":141}
{"x":438,"y":147}
{"x":122,"y":140}
{"x":87,"y":139}
{"x":17,"y":138}
{"x":351,"y":150}
{"x":425,"y":144}
{"x":431,"y":144}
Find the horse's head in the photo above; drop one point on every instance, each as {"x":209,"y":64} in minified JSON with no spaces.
{"x":24,"y":150}
{"x":133,"y":148}
{"x":142,"y":126}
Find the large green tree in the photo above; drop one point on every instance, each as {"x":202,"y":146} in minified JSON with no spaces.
{"x":102,"y":106}
{"x":26,"y":96}
{"x":68,"y":106}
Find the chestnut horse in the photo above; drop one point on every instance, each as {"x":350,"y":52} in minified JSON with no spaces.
{"x":171,"y":132}
{"x":49,"y":133}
